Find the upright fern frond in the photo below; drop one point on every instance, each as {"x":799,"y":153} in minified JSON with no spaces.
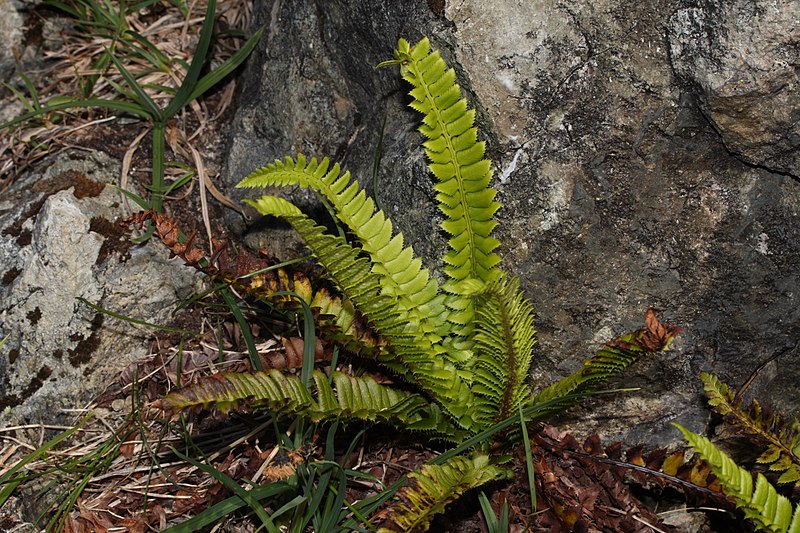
{"x":769,"y":510}
{"x":457,"y":160}
{"x":779,"y":436}
{"x":504,"y":340}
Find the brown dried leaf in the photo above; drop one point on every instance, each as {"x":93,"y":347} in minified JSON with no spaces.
{"x":656,"y":336}
{"x":292,"y":357}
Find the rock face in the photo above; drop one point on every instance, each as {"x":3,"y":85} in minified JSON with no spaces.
{"x":59,"y":243}
{"x":11,"y":35}
{"x":634,"y":168}
{"x":742,"y":59}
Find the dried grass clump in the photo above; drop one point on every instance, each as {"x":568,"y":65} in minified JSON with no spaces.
{"x":156,"y":48}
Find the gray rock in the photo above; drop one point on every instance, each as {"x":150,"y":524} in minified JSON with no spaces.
{"x":58,"y":243}
{"x":618,"y":194}
{"x":741,"y":57}
{"x":11,"y":25}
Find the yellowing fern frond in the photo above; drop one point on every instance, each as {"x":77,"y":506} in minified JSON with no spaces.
{"x":779,"y":436}
{"x":433,"y":487}
{"x":763,"y":505}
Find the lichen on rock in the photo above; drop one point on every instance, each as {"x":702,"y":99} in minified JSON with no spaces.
{"x":59,"y":352}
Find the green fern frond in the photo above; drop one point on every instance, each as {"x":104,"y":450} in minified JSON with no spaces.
{"x":504,"y":339}
{"x":433,"y":487}
{"x":780,"y":437}
{"x":408,"y":353}
{"x":400,"y":271}
{"x":609,"y":361}
{"x":769,"y":510}
{"x":348,"y":270}
{"x":344,"y":397}
{"x":456,"y":158}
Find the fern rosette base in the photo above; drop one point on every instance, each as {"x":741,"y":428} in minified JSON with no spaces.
{"x":461,"y":346}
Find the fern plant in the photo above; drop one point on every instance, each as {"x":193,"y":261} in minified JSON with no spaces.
{"x":778,"y":436}
{"x":769,"y":511}
{"x":464,"y":345}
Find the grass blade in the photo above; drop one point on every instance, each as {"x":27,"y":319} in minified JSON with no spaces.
{"x":135,"y":320}
{"x":186,"y":91}
{"x":138,"y":200}
{"x":153,"y":55}
{"x":255,"y":360}
{"x":488,"y":513}
{"x":226,"y":507}
{"x":157,"y":177}
{"x":376,"y":163}
{"x":140,"y":96}
{"x":309,"y":335}
{"x":8,"y":480}
{"x":230,"y":64}
{"x":528,"y":460}
{"x":114,"y":105}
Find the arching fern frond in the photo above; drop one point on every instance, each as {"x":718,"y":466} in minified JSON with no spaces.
{"x":433,"y":487}
{"x":408,"y":353}
{"x":763,"y":505}
{"x":779,"y":436}
{"x":344,"y":397}
{"x":610,"y":360}
{"x":400,"y":271}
